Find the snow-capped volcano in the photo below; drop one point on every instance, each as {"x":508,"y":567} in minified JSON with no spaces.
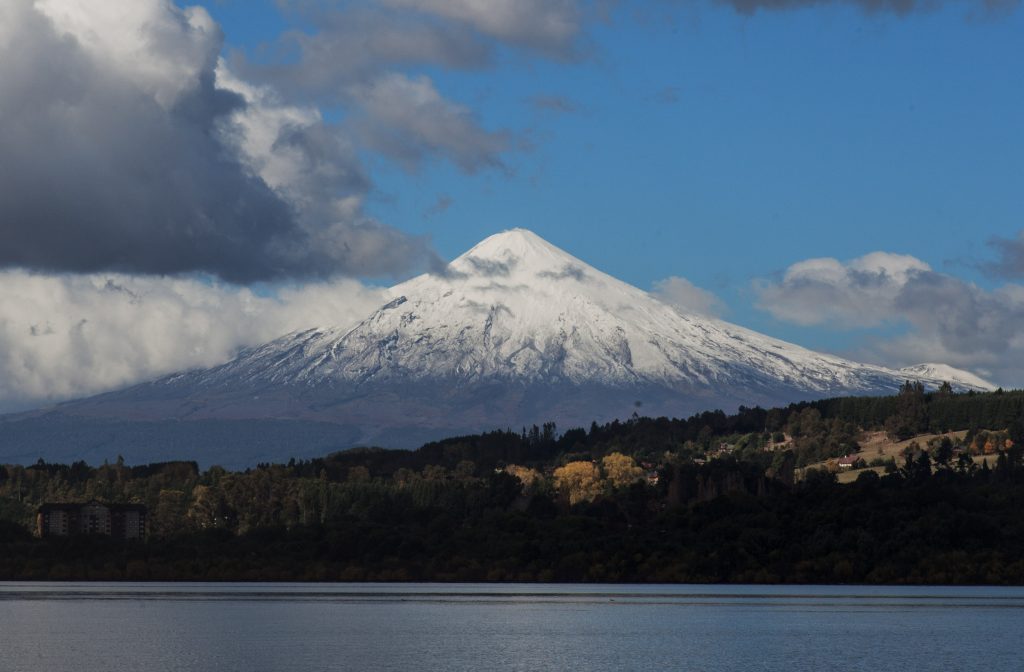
{"x":517,"y":309}
{"x":516,"y":331}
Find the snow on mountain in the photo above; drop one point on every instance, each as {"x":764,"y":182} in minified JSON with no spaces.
{"x":515,"y":332}
{"x":945,"y":372}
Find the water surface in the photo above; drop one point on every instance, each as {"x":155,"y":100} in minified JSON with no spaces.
{"x":87,"y":627}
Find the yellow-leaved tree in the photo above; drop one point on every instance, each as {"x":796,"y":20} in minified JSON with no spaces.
{"x":530,"y":478}
{"x":621,"y":470}
{"x":579,"y":481}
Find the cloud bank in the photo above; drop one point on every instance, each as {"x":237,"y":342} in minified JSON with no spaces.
{"x":64,"y":336}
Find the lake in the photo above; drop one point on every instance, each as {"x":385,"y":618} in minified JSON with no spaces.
{"x":100,"y":627}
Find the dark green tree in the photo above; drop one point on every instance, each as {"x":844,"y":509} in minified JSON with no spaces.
{"x":944,"y":452}
{"x":911,"y":415}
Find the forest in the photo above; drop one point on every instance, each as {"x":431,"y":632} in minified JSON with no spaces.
{"x":712,"y":498}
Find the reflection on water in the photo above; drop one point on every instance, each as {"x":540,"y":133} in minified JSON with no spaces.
{"x":192,"y":626}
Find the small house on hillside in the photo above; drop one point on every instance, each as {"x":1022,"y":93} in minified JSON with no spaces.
{"x":851,"y":462}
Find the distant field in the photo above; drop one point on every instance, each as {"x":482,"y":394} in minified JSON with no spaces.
{"x":875,"y":445}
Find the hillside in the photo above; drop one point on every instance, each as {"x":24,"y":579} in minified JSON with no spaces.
{"x":712,"y":498}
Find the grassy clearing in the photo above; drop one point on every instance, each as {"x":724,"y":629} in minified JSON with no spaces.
{"x":876,"y":445}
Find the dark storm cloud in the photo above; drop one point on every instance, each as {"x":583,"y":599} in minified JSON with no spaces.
{"x":98,"y":173}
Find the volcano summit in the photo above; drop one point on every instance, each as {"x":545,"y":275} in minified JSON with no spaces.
{"x":515,"y":332}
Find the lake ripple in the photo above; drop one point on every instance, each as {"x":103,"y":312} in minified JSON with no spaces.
{"x":87,"y":627}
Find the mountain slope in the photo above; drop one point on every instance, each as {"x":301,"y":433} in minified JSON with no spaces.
{"x":515,"y":332}
{"x":954,"y":376}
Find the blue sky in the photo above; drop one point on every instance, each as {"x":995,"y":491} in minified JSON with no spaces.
{"x":696,"y":141}
{"x":821,"y":131}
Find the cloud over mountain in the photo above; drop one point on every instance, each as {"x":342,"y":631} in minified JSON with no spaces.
{"x":67,"y":335}
{"x":862,"y":292}
{"x":687,"y":296}
{"x":945,"y":318}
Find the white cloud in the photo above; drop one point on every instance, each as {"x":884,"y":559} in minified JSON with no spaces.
{"x":859,"y":293}
{"x":68,"y":336}
{"x":688,"y":297}
{"x":946,"y":319}
{"x":312,"y":165}
{"x":159,"y":48}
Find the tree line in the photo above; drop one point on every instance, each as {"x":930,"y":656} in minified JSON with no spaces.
{"x":708,"y":498}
